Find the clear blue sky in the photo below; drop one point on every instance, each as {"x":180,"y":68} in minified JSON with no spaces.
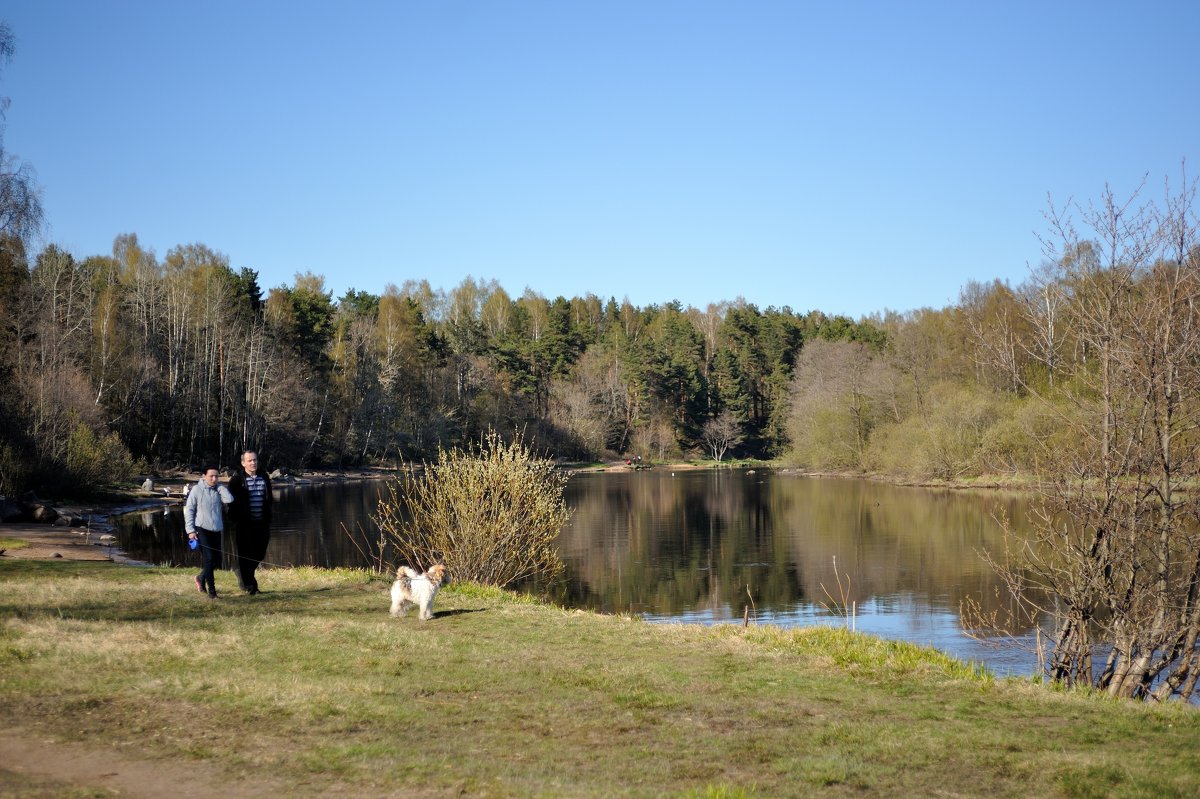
{"x":840,"y":156}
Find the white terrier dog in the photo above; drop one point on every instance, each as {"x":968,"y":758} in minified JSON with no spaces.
{"x":412,"y":588}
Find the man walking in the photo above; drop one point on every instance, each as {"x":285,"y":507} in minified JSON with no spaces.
{"x":251,"y":519}
{"x":203,"y":519}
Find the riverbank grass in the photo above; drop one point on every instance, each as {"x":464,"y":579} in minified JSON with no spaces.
{"x":315,"y":685}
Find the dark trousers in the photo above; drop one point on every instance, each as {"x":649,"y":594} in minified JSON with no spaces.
{"x":210,"y":552}
{"x":252,"y":540}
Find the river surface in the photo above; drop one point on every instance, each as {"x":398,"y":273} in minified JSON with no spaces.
{"x":711,"y":546}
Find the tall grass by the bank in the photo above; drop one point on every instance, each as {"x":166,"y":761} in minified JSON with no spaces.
{"x":314,"y":684}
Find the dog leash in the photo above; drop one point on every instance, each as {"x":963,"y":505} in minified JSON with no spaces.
{"x":235,"y":557}
{"x":272,"y":564}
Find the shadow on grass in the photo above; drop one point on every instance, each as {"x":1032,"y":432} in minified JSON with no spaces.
{"x":456,"y":612}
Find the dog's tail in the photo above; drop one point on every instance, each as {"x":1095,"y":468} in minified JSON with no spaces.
{"x":404,"y":578}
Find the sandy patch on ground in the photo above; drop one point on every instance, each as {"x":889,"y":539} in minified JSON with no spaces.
{"x":47,"y":542}
{"x":34,"y":764}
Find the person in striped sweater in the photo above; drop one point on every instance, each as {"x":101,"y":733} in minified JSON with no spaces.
{"x":251,"y":513}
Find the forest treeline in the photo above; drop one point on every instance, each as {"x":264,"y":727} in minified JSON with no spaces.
{"x":127,"y":362}
{"x":126,"y":357}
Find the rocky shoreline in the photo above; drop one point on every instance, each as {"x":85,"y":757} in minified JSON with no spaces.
{"x":39,"y":530}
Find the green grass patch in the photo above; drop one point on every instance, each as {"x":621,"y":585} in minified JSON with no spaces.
{"x":500,"y":695}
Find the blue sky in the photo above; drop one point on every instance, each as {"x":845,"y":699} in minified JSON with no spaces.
{"x":847,"y":157}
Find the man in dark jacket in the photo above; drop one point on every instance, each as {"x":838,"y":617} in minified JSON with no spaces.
{"x":251,"y":513}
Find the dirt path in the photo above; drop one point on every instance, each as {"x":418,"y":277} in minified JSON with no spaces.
{"x":34,"y":765}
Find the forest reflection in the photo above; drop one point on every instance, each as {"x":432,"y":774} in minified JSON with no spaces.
{"x":719,"y":540}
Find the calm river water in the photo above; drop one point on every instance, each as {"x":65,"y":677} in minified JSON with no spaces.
{"x":707,"y":546}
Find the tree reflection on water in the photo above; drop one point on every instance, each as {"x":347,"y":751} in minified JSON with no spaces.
{"x":708,"y":546}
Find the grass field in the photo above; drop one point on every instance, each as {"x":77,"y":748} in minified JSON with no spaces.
{"x":313,"y":685}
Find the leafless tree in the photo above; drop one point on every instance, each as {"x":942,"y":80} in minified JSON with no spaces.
{"x":721,"y":434}
{"x":1115,"y":559}
{"x":1044,"y":303}
{"x":837,"y":394}
{"x":994,"y":317}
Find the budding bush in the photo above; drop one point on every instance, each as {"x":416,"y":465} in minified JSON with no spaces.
{"x":490,"y":513}
{"x":93,"y":461}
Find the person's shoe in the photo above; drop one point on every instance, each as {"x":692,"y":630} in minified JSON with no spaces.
{"x":253,"y":591}
{"x":213,"y":595}
{"x":199,"y":585}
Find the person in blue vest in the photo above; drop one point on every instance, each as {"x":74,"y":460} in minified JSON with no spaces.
{"x":251,"y":519}
{"x":204,"y":521}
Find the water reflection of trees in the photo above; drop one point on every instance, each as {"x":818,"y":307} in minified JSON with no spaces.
{"x":703,"y":540}
{"x":692,"y":542}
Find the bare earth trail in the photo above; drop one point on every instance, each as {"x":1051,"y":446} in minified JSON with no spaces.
{"x":33,"y":765}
